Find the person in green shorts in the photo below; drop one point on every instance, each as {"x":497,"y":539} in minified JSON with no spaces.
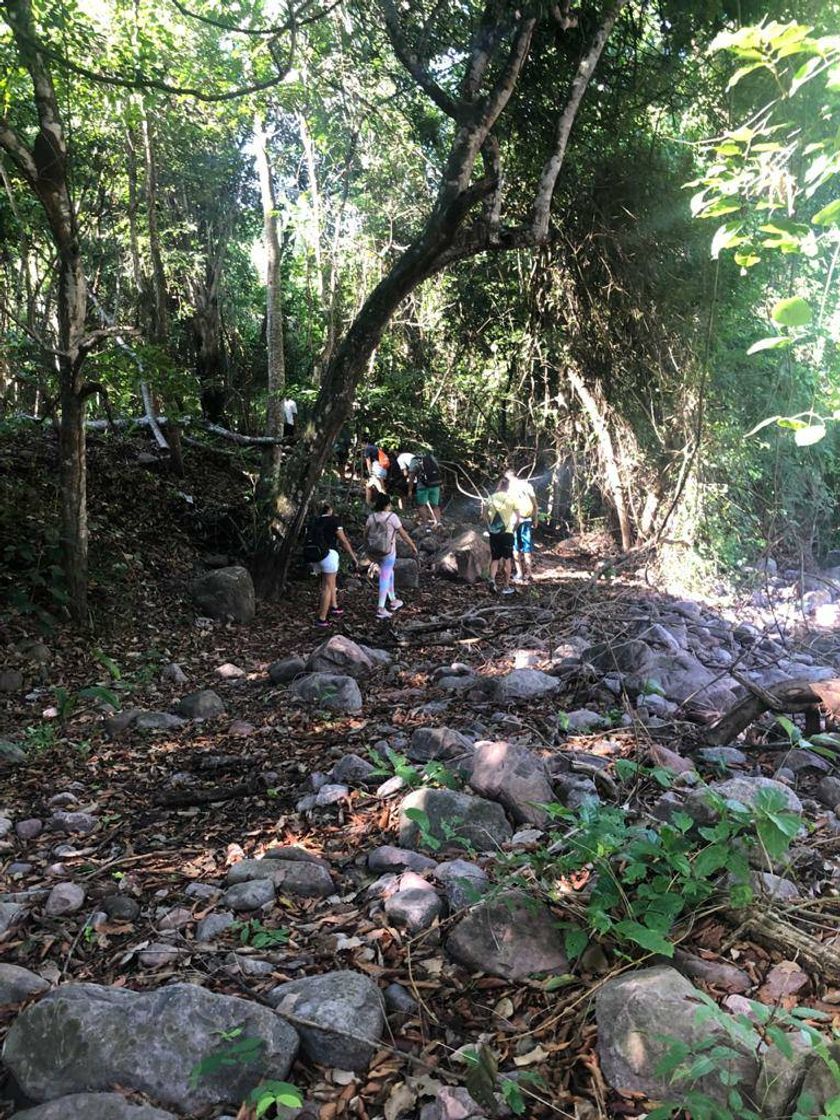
{"x":426,"y":475}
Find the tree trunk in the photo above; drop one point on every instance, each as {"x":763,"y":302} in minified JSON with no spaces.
{"x":159,"y":326}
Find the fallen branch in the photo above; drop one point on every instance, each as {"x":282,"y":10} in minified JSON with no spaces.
{"x":788,"y":696}
{"x":208,"y":796}
{"x":768,"y":929}
{"x":186,"y":422}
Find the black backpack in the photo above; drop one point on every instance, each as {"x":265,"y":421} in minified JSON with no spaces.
{"x":315,"y":545}
{"x":429,"y":474}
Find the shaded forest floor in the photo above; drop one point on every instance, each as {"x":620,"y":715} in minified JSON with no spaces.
{"x":149,"y":538}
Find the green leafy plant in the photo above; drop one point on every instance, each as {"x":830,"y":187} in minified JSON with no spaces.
{"x":483,"y":1081}
{"x":258,"y":936}
{"x":235,"y":1049}
{"x":40,"y":737}
{"x":280,"y":1094}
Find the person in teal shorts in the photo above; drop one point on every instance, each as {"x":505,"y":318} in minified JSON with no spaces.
{"x":426,"y":475}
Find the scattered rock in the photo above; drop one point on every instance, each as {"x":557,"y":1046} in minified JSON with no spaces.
{"x":353,"y":770}
{"x":30,"y":829}
{"x":65,"y":898}
{"x":36,"y":651}
{"x":454,"y":817}
{"x":406,"y":573}
{"x":204,"y":704}
{"x":81,"y":824}
{"x":580,"y":721}
{"x":819,"y":1086}
{"x":303,"y":879}
{"x":328,"y":794}
{"x":341,"y":656}
{"x":285,"y":670}
{"x":514,"y":776}
{"x":211,"y":927}
{"x":329,"y":691}
{"x":631,"y":656}
{"x":11,"y":680}
{"x":828,"y":792}
{"x":120,"y":907}
{"x":173,"y":674}
{"x":522,"y":684}
{"x":397,"y":998}
{"x":93,"y":1106}
{"x":339,"y":1016}
{"x":463,"y":882}
{"x":250,"y":895}
{"x":638,"y":1014}
{"x":765,"y":882}
{"x":158,"y":721}
{"x":11,"y":915}
{"x":11,"y":754}
{"x":294,"y":853}
{"x":158,"y":954}
{"x":712,"y":972}
{"x":783,"y":980}
{"x":5,"y":826}
{"x":742,"y":789}
{"x":511,"y":936}
{"x":722,"y":756}
{"x":83,"y":1037}
{"x":18,"y":984}
{"x":438,"y":744}
{"x":226,"y":594}
{"x":389,"y":858}
{"x":241,"y":729}
{"x":413,"y":910}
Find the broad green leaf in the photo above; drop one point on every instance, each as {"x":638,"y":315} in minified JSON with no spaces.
{"x":649,"y":939}
{"x":792,"y":312}
{"x":742,"y":72}
{"x":746,"y":260}
{"x":776,"y":342}
{"x":805,"y":437}
{"x":726,"y":236}
{"x":829,"y":215}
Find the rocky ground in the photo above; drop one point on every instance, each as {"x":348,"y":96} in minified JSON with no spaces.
{"x":238,"y":852}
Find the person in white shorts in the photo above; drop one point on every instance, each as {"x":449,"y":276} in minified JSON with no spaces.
{"x":329,"y":530}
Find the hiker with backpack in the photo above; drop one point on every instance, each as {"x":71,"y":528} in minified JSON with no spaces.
{"x":426,"y":476}
{"x":525,"y":499}
{"x":320,"y":550}
{"x":377,"y":460}
{"x":502,"y":518}
{"x":381,"y":530}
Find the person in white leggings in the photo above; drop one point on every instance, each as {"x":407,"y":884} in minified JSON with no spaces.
{"x":382,"y":513}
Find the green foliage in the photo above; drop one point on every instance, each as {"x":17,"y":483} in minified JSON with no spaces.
{"x":235,"y":1049}
{"x":645,"y":880}
{"x":258,"y":936}
{"x":279,"y":1094}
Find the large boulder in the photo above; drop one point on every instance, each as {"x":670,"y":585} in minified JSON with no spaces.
{"x":204,"y":704}
{"x":684,"y":679}
{"x":640,"y":1015}
{"x":406,"y":573}
{"x":226,"y":594}
{"x":514,"y":776}
{"x":745,"y":789}
{"x":454,"y":819}
{"x":93,"y":1106}
{"x":340,"y":654}
{"x":85,"y":1037}
{"x":301,"y":878}
{"x":331,"y":691}
{"x":339,"y":1016}
{"x":18,"y":984}
{"x":465,"y":557}
{"x":511,"y":936}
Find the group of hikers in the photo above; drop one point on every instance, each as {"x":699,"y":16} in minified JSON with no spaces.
{"x":510,"y":514}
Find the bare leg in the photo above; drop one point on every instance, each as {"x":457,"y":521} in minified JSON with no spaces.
{"x":326,"y":596}
{"x":331,"y":582}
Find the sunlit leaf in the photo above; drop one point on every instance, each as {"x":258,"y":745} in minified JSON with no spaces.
{"x":829,"y":215}
{"x":810,"y":435}
{"x":775,"y":342}
{"x":792,"y":312}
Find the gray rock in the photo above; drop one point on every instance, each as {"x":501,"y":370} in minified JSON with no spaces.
{"x":18,"y":984}
{"x":682,"y":678}
{"x":742,"y":789}
{"x":631,"y":656}
{"x":250,"y":895}
{"x":65,"y":898}
{"x":397,"y":998}
{"x":329,"y":691}
{"x":522,"y":684}
{"x":158,"y":721}
{"x":286,"y":669}
{"x":511,"y":936}
{"x":820,"y":1086}
{"x":303,"y":879}
{"x":713,"y":972}
{"x":5,"y":827}
{"x":389,"y":858}
{"x":205,"y":892}
{"x":465,"y":557}
{"x":121,"y":907}
{"x":293,"y":853}
{"x":36,"y":651}
{"x":776,"y":886}
{"x":11,"y":754}
{"x":204,"y":704}
{"x":580,"y":721}
{"x":243,"y":965}
{"x":83,"y":1037}
{"x":463,"y":882}
{"x":406,"y":573}
{"x":342,"y":656}
{"x":459,"y":683}
{"x":390,"y":786}
{"x":800,"y":761}
{"x":328,"y":794}
{"x":780,"y":1077}
{"x":173,"y":674}
{"x":17,"y":869}
{"x":454,"y":819}
{"x":575,"y":792}
{"x":226,"y":594}
{"x":30,"y":829}
{"x":11,"y":680}
{"x":116,"y":723}
{"x":353,"y":770}
{"x":637,"y":1016}
{"x":828,"y":792}
{"x":722,"y":756}
{"x":413,"y":910}
{"x":339,"y":1016}
{"x":80,"y":824}
{"x":158,"y":954}
{"x":515,"y":777}
{"x":439,"y":744}
{"x":93,"y":1106}
{"x":211,"y":927}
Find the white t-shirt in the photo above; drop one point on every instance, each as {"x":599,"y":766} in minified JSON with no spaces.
{"x":405,"y":460}
{"x":289,"y":410}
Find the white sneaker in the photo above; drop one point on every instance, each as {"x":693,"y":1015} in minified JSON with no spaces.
{"x":508,"y":591}
{"x":518,"y":579}
{"x":382,"y":613}
{"x":395,"y":604}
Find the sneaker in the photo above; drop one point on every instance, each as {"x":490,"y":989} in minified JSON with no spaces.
{"x":322,"y":623}
{"x":508,"y":591}
{"x":395,"y":604}
{"x":382,"y":613}
{"x":336,"y":612}
{"x":518,"y":579}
